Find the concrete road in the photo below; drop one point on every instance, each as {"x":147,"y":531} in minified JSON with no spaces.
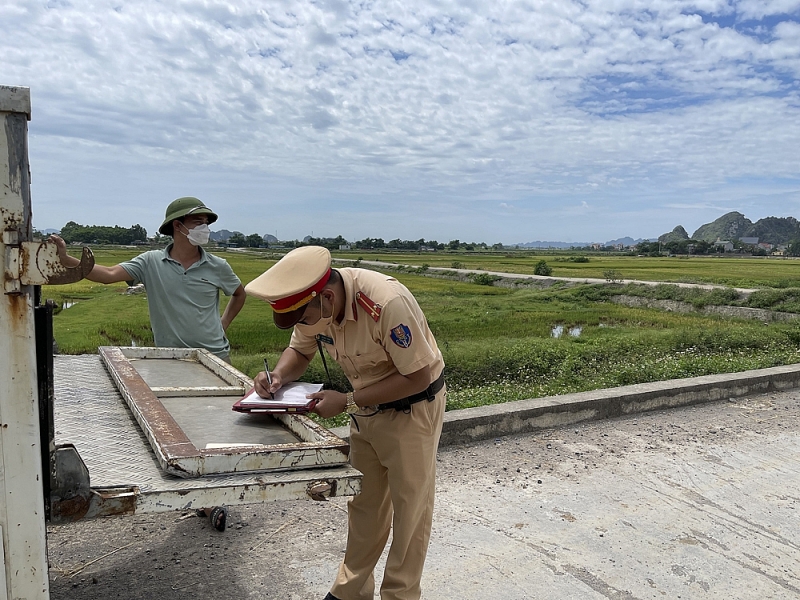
{"x":703,"y":286}
{"x":697,"y":502}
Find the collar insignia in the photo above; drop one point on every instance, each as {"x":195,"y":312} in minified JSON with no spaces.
{"x":373,"y":309}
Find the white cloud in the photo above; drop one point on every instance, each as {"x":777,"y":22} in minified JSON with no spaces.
{"x":758,"y":9}
{"x":512,"y":103}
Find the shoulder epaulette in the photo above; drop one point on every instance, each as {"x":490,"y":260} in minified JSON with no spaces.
{"x":373,"y":309}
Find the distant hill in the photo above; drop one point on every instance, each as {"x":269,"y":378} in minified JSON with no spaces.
{"x":734,"y":225}
{"x":223,"y":235}
{"x":774,"y":230}
{"x":625,"y":241}
{"x":729,"y":226}
{"x":676,"y":235}
{"x":539,"y":244}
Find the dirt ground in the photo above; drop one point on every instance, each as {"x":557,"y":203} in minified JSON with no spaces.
{"x":587,"y":511}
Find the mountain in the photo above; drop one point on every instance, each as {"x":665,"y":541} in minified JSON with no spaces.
{"x":734,"y":225}
{"x":624,"y":241}
{"x":223,"y":235}
{"x":676,"y":235}
{"x":774,"y":230}
{"x":729,"y":226}
{"x":538,"y":244}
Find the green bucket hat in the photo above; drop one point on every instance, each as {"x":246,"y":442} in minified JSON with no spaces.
{"x":181,"y":207}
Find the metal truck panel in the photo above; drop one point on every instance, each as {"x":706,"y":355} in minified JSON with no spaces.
{"x":91,"y":414}
{"x":232,"y":443}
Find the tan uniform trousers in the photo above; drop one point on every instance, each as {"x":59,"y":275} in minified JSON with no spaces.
{"x":396,"y":452}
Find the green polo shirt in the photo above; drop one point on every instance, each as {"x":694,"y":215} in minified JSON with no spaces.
{"x":184,"y":303}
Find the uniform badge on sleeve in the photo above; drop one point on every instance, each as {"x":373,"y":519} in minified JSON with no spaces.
{"x":401,"y":335}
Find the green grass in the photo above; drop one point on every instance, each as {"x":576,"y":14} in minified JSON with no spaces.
{"x":496,"y":341}
{"x":723,"y":270}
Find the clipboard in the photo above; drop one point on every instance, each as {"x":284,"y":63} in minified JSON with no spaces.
{"x":291,"y":398}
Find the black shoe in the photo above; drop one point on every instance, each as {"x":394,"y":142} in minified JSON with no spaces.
{"x":330,"y":597}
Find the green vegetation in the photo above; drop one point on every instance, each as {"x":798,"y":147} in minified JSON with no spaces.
{"x":483,"y":278}
{"x":744,"y":272}
{"x":782,"y":300}
{"x":542,"y":268}
{"x":100,"y":234}
{"x":497,"y":341}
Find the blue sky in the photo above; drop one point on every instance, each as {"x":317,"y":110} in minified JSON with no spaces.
{"x":480,"y":121}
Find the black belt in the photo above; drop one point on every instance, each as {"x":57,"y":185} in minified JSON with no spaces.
{"x":428,"y":394}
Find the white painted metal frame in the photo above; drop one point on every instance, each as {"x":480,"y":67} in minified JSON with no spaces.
{"x":22,"y":519}
{"x":177,"y":455}
{"x":120,"y":458}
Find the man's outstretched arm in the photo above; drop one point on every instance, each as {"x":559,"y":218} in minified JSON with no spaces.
{"x":99,"y":273}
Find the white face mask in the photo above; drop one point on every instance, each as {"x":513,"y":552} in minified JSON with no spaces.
{"x":321,"y":325}
{"x":199,"y":235}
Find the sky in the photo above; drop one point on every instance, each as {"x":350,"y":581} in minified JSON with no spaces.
{"x":494,"y":121}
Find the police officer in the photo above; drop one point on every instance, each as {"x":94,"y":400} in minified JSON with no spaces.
{"x":373,"y":327}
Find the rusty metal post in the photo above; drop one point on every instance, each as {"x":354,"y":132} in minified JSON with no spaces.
{"x":22,"y":517}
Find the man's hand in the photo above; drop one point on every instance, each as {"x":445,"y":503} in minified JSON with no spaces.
{"x":61,"y":245}
{"x":99,"y":273}
{"x":262,"y":386}
{"x":329,"y":402}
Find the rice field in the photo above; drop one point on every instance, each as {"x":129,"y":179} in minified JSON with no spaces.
{"x":497,"y":342}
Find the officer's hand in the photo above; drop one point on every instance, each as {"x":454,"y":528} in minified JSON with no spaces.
{"x":262,"y":386}
{"x":329,"y":402}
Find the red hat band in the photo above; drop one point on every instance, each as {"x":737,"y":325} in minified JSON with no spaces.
{"x":297,"y":300}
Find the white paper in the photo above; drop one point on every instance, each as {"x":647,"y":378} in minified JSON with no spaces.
{"x":291,"y":395}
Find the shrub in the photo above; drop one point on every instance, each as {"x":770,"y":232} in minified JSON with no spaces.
{"x":542,"y":268}
{"x":483,"y":278}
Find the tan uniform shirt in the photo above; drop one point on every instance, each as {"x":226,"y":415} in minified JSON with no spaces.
{"x":371,"y":344}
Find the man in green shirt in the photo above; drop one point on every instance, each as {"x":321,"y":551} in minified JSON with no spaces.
{"x":182,"y":282}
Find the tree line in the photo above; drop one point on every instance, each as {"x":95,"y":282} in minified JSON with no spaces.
{"x":73,"y":232}
{"x":398,"y":244}
{"x":691,"y":246}
{"x":103,"y":234}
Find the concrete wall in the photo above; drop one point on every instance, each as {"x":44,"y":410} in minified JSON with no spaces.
{"x":740,"y":312}
{"x":553,"y":411}
{"x":485,"y":422}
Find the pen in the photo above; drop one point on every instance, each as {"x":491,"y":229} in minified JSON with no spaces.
{"x":269,"y":377}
